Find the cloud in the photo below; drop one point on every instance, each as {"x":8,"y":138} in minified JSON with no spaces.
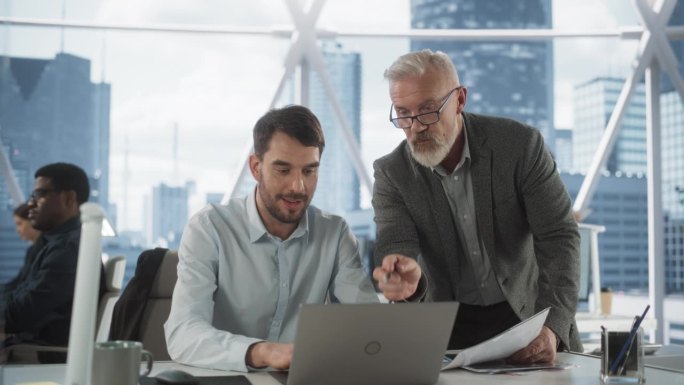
{"x":213,"y":90}
{"x":579,"y":60}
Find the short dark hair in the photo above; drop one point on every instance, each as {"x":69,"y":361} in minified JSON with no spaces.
{"x":295,"y":121}
{"x":22,"y":211}
{"x":67,"y":177}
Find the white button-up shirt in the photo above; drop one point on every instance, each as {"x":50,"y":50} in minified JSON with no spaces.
{"x":238,"y":284}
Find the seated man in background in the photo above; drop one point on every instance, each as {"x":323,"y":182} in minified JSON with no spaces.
{"x":37,"y":309}
{"x":246,"y":267}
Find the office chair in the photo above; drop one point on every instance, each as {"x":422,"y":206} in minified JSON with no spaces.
{"x":144,"y":305}
{"x":114,"y":268}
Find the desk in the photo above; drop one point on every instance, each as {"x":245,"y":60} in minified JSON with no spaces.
{"x":585,"y":372}
{"x":591,"y":322}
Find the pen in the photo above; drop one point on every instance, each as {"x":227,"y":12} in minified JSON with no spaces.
{"x":629,"y":340}
{"x":621,"y":369}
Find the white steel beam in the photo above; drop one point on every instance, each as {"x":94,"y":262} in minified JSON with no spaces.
{"x":586,"y":192}
{"x":656,"y":242}
{"x":655,"y":22}
{"x":308,"y":54}
{"x":286,"y":31}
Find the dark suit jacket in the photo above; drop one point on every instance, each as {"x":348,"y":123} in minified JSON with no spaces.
{"x":524,"y":217}
{"x":38,"y":308}
{"x":129,"y":309}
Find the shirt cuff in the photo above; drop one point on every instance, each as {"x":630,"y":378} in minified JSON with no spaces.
{"x":239,"y":350}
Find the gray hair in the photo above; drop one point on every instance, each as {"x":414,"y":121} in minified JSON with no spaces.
{"x":416,"y":63}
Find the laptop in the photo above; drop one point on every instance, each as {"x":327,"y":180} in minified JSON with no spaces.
{"x":377,"y":344}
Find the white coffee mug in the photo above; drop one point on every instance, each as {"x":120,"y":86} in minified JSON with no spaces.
{"x":118,"y":362}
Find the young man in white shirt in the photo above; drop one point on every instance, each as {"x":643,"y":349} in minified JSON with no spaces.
{"x":246,"y":267}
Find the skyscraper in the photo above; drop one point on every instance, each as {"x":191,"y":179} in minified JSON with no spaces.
{"x":50,"y":111}
{"x":672,"y":157}
{"x":512,"y":78}
{"x":677,"y":19}
{"x":338,"y":185}
{"x":169,"y":214}
{"x":672,"y":126}
{"x":620,"y":204}
{"x":563,"y":152}
{"x":593,"y":104}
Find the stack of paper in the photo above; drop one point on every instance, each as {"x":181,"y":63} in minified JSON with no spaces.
{"x":501,"y":345}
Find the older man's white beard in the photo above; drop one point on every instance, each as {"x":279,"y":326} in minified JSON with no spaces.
{"x":431,"y":157}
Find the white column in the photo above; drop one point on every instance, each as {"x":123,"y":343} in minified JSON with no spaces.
{"x":656,"y":249}
{"x":86,"y":296}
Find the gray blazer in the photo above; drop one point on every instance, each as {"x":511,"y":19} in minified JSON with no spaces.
{"x":524,"y":217}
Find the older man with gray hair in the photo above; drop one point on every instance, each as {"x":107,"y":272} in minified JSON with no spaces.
{"x":477,"y":200}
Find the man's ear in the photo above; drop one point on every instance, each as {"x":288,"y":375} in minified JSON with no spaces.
{"x":255,"y":166}
{"x":70,"y":199}
{"x":462,"y":98}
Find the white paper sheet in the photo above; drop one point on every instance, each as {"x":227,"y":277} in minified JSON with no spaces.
{"x":501,"y":345}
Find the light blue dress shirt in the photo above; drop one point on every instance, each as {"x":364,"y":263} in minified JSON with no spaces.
{"x":238,"y":284}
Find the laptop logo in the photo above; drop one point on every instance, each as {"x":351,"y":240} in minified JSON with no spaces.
{"x":372,"y":348}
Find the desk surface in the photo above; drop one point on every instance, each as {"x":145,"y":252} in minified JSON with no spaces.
{"x":591,"y":322}
{"x":586,"y":371}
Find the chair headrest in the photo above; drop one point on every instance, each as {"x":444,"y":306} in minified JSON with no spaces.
{"x":166,"y":277}
{"x":114,"y":267}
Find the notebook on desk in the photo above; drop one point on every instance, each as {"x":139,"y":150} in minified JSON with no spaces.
{"x":370,"y":344}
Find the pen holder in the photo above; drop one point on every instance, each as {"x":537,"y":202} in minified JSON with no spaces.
{"x":629,"y":368}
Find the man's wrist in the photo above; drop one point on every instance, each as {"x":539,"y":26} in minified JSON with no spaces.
{"x":559,"y":342}
{"x":253,"y":357}
{"x":421,"y":290}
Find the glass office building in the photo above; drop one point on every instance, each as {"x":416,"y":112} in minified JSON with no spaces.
{"x":169,"y":214}
{"x":677,"y":19}
{"x":593,"y":104}
{"x":338,"y":185}
{"x":512,"y":78}
{"x":620,"y":204}
{"x":50,"y":111}
{"x":672,"y":157}
{"x":563,"y":152}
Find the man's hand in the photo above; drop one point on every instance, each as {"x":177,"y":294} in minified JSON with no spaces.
{"x":269,"y":354}
{"x":541,"y":349}
{"x":397,"y":276}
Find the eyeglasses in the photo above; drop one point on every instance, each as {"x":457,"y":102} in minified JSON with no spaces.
{"x":42,"y":193}
{"x":426,"y":118}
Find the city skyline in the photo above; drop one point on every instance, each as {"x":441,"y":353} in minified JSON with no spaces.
{"x":145,"y":115}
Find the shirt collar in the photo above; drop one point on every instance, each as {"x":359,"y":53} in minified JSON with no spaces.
{"x":257,"y":229}
{"x":68,"y":226}
{"x":465,"y":156}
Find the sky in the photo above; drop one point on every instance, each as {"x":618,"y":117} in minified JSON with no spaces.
{"x":213,"y":88}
